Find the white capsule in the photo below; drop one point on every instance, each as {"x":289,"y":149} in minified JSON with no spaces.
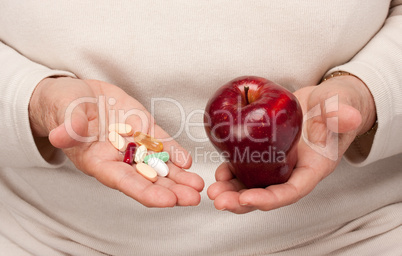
{"x":140,"y":154}
{"x":159,"y":166}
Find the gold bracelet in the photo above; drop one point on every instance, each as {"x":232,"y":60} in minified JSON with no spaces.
{"x":372,"y":129}
{"x":337,"y":73}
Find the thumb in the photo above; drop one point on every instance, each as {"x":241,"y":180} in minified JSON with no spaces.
{"x":72,"y":131}
{"x":341,"y":117}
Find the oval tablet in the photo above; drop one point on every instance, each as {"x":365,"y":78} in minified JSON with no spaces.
{"x":122,"y":129}
{"x":147,"y":171}
{"x":159,"y":166}
{"x":117,"y":141}
{"x":164,"y":156}
{"x":140,"y":154}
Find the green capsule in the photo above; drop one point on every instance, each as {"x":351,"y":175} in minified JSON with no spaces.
{"x":164,"y":156}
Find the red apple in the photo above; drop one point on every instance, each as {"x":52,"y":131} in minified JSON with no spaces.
{"x":256,"y":125}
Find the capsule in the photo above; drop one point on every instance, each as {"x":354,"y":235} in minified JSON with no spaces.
{"x":159,"y":166}
{"x":164,"y":156}
{"x":148,"y":141}
{"x":129,"y":154}
{"x":140,"y":154}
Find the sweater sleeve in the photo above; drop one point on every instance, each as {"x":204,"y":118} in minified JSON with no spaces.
{"x":379,"y":66}
{"x":18,"y":79}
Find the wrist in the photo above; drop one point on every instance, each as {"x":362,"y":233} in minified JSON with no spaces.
{"x":41,"y":110}
{"x":364,"y":101}
{"x":367,"y":106}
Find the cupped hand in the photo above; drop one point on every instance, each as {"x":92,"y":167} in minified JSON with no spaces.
{"x":75,"y":115}
{"x":335,"y":112}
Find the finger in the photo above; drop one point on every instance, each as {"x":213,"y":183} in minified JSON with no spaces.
{"x":302,"y":182}
{"x":220,"y":187}
{"x":186,"y":196}
{"x":270,"y":198}
{"x":123,"y":177}
{"x":183,"y":177}
{"x":337,"y":106}
{"x":229,"y":201}
{"x":225,"y":182}
{"x":178,"y":155}
{"x":139,"y":118}
{"x":345,"y":119}
{"x":72,"y":132}
{"x":223,"y":173}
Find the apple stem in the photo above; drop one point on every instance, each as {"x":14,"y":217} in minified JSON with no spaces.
{"x":246,"y":94}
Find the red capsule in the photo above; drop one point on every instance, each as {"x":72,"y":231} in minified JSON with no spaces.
{"x":130,"y":151}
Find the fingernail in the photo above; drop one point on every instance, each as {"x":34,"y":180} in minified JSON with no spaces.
{"x":223,"y":209}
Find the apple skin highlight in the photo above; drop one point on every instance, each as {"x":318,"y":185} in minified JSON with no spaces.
{"x":258,"y":135}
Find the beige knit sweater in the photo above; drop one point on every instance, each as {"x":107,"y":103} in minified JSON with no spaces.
{"x":171,"y":56}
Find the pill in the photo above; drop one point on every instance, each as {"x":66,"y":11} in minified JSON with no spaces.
{"x":122,"y":129}
{"x":130,"y":151}
{"x":147,"y":171}
{"x":164,"y":156}
{"x":117,"y":141}
{"x":148,"y":141}
{"x":140,"y":154}
{"x":159,"y":166}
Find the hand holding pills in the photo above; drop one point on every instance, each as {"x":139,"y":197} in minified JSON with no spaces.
{"x":74,"y":124}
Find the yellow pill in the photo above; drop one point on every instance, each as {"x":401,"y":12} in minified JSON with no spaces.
{"x":148,"y":141}
{"x":122,"y":129}
{"x":117,"y":141}
{"x":147,"y":172}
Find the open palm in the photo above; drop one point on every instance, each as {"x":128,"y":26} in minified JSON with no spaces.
{"x":78,"y":125}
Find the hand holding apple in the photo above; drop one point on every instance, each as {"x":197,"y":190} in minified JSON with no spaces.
{"x":355,"y":115}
